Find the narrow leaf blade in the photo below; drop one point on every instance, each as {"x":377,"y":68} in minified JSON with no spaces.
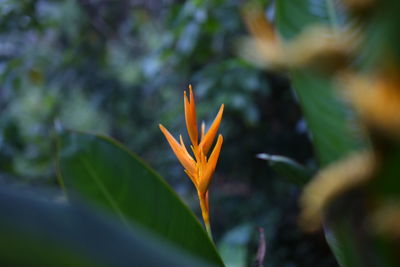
{"x":288,"y":168}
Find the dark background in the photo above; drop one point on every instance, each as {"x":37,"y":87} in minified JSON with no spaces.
{"x":120,"y":68}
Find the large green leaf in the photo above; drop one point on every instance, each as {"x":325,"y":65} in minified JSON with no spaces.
{"x":327,"y":117}
{"x":107,"y":174}
{"x":37,"y":232}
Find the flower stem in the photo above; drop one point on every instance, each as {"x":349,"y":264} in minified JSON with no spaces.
{"x":203,"y":197}
{"x":208,"y":229}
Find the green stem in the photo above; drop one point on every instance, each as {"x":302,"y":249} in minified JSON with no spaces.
{"x":208,"y":229}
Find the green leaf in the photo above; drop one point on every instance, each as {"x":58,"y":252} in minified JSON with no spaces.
{"x":328,"y":119}
{"x":36,"y":232}
{"x":107,"y":174}
{"x":288,"y":168}
{"x":337,"y":233}
{"x":233,"y":245}
{"x":295,"y":15}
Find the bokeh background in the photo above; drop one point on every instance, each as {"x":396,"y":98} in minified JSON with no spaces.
{"x":120,"y":68}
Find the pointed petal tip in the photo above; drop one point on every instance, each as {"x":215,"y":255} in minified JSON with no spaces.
{"x":163,"y":129}
{"x":219,"y":142}
{"x":207,"y":141}
{"x":190,"y":116}
{"x":191,"y":95}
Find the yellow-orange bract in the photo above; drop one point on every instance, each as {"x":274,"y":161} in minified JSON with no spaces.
{"x":200,"y":168}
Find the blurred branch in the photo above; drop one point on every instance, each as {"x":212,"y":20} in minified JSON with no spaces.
{"x":261,"y":247}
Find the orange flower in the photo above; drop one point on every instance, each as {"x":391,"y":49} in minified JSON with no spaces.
{"x":201,"y":167}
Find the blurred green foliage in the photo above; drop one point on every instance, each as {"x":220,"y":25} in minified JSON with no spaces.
{"x":120,"y":68}
{"x":38,"y":232}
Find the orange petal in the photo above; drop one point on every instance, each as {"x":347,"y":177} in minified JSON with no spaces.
{"x":212,"y":132}
{"x":192,"y":178}
{"x":184,"y":147}
{"x":183,"y":156}
{"x":210,"y":166}
{"x":190,"y":117}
